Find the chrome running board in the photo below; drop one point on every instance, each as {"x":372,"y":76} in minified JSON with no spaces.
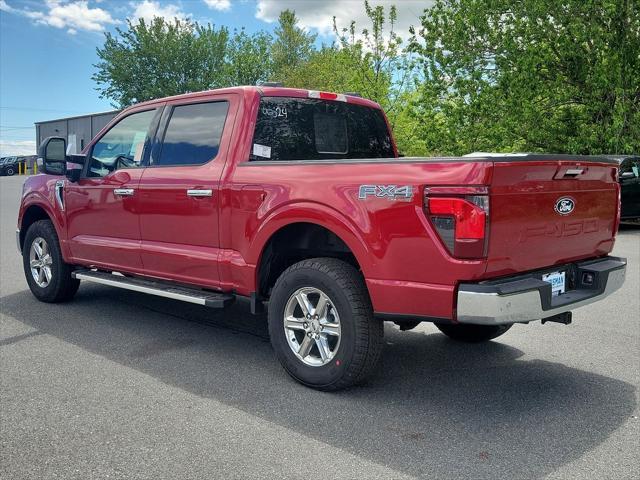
{"x":158,"y":288}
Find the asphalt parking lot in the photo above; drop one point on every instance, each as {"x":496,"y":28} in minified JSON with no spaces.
{"x":117,"y":384}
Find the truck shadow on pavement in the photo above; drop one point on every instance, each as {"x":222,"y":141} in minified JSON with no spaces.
{"x":437,"y":409}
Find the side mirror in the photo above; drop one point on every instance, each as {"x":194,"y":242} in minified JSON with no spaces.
{"x":52,"y":152}
{"x":55,"y":161}
{"x":74,"y":166}
{"x":627,"y":175}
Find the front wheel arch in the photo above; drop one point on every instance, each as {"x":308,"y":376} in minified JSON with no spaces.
{"x":31,"y":215}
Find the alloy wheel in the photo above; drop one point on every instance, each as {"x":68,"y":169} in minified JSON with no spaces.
{"x":41,"y":262}
{"x":312,"y":326}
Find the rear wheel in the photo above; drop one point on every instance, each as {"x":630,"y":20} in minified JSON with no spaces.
{"x":321,"y":324}
{"x":472,"y":333}
{"x":10,"y":171}
{"x":49,"y":278}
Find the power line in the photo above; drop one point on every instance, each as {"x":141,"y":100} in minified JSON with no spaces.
{"x":33,"y":109}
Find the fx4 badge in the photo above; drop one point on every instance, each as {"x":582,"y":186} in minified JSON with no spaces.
{"x":391,"y":192}
{"x":565,"y":205}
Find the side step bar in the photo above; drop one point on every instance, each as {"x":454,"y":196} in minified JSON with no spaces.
{"x":161,"y":289}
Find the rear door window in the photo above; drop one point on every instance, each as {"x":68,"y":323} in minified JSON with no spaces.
{"x":313,"y":129}
{"x":193,"y":134}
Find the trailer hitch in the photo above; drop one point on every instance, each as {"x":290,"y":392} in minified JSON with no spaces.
{"x":564,"y":318}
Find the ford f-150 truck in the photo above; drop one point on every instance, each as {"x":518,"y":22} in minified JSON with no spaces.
{"x":298,"y":202}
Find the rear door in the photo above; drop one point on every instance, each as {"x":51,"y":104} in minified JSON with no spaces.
{"x":544,"y":213}
{"x":179,"y":191}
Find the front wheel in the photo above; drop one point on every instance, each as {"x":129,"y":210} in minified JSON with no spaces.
{"x":10,"y":171}
{"x":470,"y":333}
{"x":48,"y":276}
{"x":322,"y":326}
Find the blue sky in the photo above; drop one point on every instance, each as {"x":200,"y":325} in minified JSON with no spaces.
{"x":47,"y":47}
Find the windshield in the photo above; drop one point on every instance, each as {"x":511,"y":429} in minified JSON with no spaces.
{"x":312,"y":129}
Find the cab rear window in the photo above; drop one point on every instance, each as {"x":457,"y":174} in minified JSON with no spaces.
{"x":313,"y":129}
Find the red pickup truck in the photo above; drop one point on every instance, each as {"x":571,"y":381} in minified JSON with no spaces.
{"x":297,"y":202}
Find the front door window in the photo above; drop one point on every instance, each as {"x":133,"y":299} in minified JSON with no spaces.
{"x":122,"y":146}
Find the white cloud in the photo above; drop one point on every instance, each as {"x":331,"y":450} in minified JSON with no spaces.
{"x":76,"y":15}
{"x":72,"y":15}
{"x":17,"y":147}
{"x":220,"y":5}
{"x":318,"y":14}
{"x":148,"y":9}
{"x":5,"y":7}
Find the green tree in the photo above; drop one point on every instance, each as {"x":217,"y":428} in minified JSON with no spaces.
{"x":292,"y":48}
{"x":160,"y":58}
{"x":248,"y":59}
{"x":328,"y":69}
{"x":368,"y":60}
{"x":540,"y":75}
{"x":383,"y":69}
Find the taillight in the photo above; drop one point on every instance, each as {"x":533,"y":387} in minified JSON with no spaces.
{"x":460,"y":215}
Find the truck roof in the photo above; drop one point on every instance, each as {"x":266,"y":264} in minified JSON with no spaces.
{"x":267,"y":91}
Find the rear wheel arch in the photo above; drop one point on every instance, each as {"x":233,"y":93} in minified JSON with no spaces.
{"x":297,"y":241}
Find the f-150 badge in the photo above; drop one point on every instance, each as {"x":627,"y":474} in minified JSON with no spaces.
{"x":391,"y":192}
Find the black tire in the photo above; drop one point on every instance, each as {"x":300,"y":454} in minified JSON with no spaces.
{"x":10,"y":171}
{"x":62,"y":287}
{"x":360,"y":347}
{"x":472,"y":333}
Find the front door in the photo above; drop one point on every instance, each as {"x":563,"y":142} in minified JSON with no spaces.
{"x":102,"y":207}
{"x":179,"y":193}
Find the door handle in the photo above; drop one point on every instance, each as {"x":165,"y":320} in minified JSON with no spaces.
{"x":199,"y":193}
{"x":123,"y":192}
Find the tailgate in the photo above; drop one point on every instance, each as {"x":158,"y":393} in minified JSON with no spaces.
{"x":545,"y":213}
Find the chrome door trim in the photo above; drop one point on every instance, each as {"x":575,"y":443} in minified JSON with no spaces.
{"x":199,"y":193}
{"x":123,"y":192}
{"x":58,"y":192}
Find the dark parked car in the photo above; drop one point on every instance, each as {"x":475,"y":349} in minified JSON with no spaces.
{"x":629,"y":176}
{"x":9,"y":166}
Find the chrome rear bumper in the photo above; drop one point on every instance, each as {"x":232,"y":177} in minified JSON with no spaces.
{"x":526,"y":297}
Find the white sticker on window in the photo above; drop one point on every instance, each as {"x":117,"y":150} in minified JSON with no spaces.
{"x":136,"y":146}
{"x":261,"y":150}
{"x":137,"y":158}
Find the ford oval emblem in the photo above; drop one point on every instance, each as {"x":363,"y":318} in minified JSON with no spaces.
{"x":565,"y":205}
